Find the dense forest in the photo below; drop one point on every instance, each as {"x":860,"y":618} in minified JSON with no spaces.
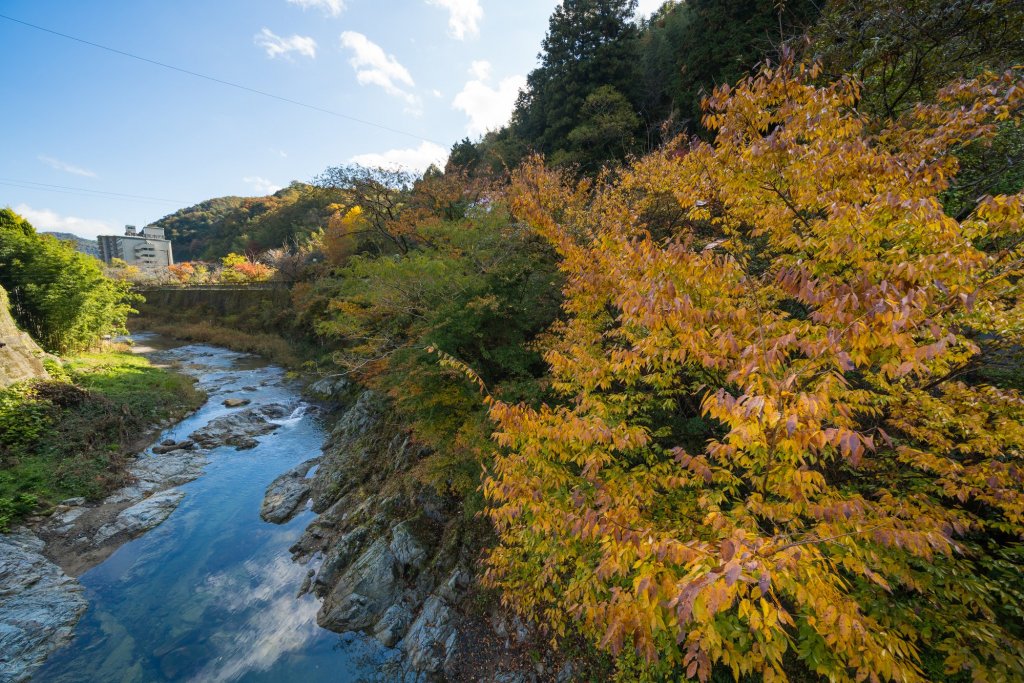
{"x":722,"y":334}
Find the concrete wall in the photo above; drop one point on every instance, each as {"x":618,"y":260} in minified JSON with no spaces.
{"x":249,"y":306}
{"x":20,"y":357}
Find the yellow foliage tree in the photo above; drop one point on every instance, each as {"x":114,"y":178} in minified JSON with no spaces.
{"x":339,"y":241}
{"x":778,"y":444}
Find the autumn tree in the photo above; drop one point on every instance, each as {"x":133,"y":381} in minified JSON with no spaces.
{"x":240,"y":268}
{"x":777,"y":447}
{"x":380,"y":194}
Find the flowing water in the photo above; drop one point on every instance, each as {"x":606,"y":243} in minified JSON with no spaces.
{"x":209,"y":595}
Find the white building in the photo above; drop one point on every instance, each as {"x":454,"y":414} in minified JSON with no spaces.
{"x":148,"y":249}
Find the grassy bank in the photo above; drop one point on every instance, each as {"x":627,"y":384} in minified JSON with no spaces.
{"x":73,"y":435}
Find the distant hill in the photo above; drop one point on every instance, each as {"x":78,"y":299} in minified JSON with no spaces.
{"x":86,"y":246}
{"x":212,"y":229}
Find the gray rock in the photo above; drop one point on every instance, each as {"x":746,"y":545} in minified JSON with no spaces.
{"x":275,"y":411}
{"x":429,"y":641}
{"x":390,"y":628}
{"x":236,"y":402}
{"x":141,"y":516}
{"x":39,"y":606}
{"x":287,"y":494}
{"x":174,"y":468}
{"x":513,"y":677}
{"x":73,"y":501}
{"x":366,"y":589}
{"x":237,"y":429}
{"x":406,"y":547}
{"x":339,"y":557}
{"x":169,"y":445}
{"x":510,"y":627}
{"x":329,"y":388}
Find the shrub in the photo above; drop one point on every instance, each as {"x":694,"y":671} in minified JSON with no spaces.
{"x":769,"y":450}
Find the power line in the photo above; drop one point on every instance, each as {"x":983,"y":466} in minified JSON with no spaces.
{"x":86,"y":194}
{"x":17,"y":182}
{"x":219,"y":80}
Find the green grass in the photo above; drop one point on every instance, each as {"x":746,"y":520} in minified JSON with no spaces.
{"x":73,"y":435}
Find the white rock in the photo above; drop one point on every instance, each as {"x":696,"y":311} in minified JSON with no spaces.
{"x":39,"y":606}
{"x":141,"y":516}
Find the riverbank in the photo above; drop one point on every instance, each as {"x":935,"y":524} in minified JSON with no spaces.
{"x":73,"y":435}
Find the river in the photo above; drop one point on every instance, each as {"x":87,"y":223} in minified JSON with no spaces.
{"x":210,"y":594}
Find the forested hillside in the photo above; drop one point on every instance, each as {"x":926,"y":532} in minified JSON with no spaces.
{"x":722,"y":335}
{"x":217,"y":227}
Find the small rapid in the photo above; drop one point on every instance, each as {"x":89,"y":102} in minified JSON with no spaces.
{"x":210,"y":594}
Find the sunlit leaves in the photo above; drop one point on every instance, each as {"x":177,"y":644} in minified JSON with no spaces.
{"x":812,"y":303}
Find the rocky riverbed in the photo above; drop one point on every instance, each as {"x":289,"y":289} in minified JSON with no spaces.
{"x":247,"y":537}
{"x":41,"y":598}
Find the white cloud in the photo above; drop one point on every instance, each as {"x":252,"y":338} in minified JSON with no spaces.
{"x":67,"y":168}
{"x":374,"y":67}
{"x":487,"y":108}
{"x":261,"y":185}
{"x":463,"y":16}
{"x":480,"y":70}
{"x":331,"y":8}
{"x":276,"y":45}
{"x":645,"y":8}
{"x":436,"y":93}
{"x":413,"y":159}
{"x":45,"y":220}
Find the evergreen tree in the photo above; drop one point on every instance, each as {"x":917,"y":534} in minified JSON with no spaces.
{"x":590,"y":44}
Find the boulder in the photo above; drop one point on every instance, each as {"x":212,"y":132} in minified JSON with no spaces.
{"x":286,"y":494}
{"x":20,"y":357}
{"x":173,"y":468}
{"x":407,"y":547}
{"x":39,"y":606}
{"x":142,"y":516}
{"x":390,"y":628}
{"x":238,"y":429}
{"x":432,"y":638}
{"x":236,"y":402}
{"x":364,"y":592}
{"x":330,"y":388}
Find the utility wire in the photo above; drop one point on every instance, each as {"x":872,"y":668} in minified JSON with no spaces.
{"x":219,"y":80}
{"x":47,"y":186}
{"x":86,"y":194}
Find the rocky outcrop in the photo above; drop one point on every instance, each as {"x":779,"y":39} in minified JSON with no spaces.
{"x":287,"y":494}
{"x":388,"y":553}
{"x":240,"y":429}
{"x":394,"y":559}
{"x":20,"y":357}
{"x":39,"y":606}
{"x":141,"y":517}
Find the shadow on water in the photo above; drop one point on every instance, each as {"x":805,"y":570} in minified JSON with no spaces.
{"x":210,"y":594}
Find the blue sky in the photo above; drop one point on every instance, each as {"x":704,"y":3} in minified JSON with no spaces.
{"x":86,"y":120}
